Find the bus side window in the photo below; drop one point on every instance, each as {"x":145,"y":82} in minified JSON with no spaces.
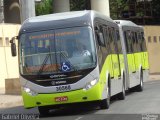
{"x":115,"y":39}
{"x":111,"y":40}
{"x":126,"y":41}
{"x":118,"y":42}
{"x":105,"y":33}
{"x":137,"y":42}
{"x":99,"y":48}
{"x":143,"y":42}
{"x":133,"y":38}
{"x":106,"y":38}
{"x":99,"y":28}
{"x":129,"y":41}
{"x":140,"y":41}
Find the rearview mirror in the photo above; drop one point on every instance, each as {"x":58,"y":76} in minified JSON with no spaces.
{"x":13,"y":47}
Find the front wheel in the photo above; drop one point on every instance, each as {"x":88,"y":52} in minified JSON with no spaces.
{"x":44,"y":111}
{"x":104,"y":104}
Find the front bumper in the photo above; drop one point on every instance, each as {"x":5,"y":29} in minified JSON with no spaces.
{"x":77,"y":96}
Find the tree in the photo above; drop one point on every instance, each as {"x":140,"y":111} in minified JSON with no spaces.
{"x":44,"y":7}
{"x":113,"y":9}
{"x":156,"y":11}
{"x":116,"y":8}
{"x":156,"y":7}
{"x":79,"y":5}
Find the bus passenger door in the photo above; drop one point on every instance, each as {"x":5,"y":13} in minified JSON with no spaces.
{"x":114,"y":52}
{"x":120,"y":54}
{"x":144,"y":51}
{"x":103,"y":53}
{"x":136,"y":51}
{"x":130,"y":55}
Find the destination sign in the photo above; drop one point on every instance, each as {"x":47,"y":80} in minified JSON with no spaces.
{"x":67,"y":33}
{"x":41,"y":36}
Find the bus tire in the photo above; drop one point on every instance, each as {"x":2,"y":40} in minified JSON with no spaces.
{"x":139,"y":88}
{"x":121,"y":95}
{"x":104,"y":104}
{"x":43,"y":111}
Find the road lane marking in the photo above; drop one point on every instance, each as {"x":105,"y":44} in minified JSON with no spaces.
{"x":78,"y":118}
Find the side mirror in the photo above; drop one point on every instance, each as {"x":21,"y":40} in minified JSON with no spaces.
{"x":13,"y":47}
{"x":101,"y":39}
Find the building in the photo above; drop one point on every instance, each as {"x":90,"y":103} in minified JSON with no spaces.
{"x":152,"y":36}
{"x":1,"y":12}
{"x":9,"y":64}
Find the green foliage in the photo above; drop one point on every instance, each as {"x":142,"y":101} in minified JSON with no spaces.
{"x":116,"y":7}
{"x":77,"y":5}
{"x":156,"y":7}
{"x":44,"y":7}
{"x":140,"y":14}
{"x":113,"y":9}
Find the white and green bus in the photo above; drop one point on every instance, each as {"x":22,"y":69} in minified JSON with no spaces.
{"x":135,"y":54}
{"x":71,"y":57}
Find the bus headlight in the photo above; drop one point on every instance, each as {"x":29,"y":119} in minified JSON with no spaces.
{"x":90,"y":84}
{"x":29,"y":91}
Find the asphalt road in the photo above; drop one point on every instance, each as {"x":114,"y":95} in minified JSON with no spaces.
{"x":137,"y":106}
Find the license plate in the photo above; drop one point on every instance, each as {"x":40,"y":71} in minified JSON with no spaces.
{"x":61,"y":99}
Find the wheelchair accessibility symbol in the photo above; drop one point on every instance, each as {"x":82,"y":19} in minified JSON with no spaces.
{"x":65,"y":67}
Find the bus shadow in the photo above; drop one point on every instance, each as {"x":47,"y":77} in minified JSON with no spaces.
{"x":72,"y":110}
{"x":129,"y":92}
{"x":78,"y":109}
{"x":81,"y":109}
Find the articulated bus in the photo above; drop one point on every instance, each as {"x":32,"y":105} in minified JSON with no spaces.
{"x":135,"y":53}
{"x":71,"y":57}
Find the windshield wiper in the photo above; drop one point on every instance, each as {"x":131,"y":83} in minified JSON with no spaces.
{"x":46,"y":59}
{"x":43,"y":64}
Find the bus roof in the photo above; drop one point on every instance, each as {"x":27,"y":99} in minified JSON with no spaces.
{"x":127,"y":23}
{"x":61,"y":20}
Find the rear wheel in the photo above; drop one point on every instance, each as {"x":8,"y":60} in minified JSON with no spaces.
{"x":139,"y":88}
{"x":44,"y":111}
{"x":121,"y":96}
{"x":104,"y":104}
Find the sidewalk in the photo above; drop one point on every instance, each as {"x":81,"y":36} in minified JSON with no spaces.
{"x":154,"y":77}
{"x":7,"y":101}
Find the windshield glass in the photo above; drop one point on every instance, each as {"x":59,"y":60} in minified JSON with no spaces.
{"x":57,"y":51}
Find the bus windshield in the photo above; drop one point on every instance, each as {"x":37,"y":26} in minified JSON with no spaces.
{"x":56,"y":51}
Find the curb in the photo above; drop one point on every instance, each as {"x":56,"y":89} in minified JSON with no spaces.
{"x":10,"y":105}
{"x":154,"y":77}
{"x":11,"y":101}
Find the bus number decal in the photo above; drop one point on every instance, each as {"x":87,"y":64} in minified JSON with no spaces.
{"x":63,"y":88}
